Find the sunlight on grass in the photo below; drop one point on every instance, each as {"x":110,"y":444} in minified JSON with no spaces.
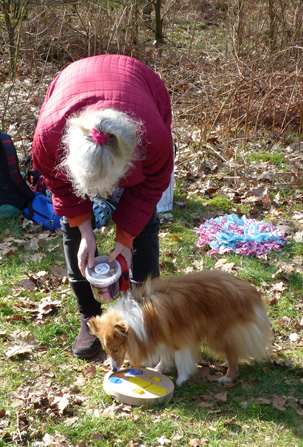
{"x":240,"y":420}
{"x":277,"y":159}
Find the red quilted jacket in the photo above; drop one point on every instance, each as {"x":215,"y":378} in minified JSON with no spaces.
{"x":125,"y":84}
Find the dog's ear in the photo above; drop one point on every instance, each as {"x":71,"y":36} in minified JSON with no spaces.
{"x":121,"y":329}
{"x":94,"y":325}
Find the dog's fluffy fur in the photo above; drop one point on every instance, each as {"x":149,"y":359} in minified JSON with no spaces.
{"x":167,"y":319}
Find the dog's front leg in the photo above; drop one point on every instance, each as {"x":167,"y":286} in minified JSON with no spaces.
{"x":162,"y":366}
{"x":166,"y":356}
{"x":185,"y":364}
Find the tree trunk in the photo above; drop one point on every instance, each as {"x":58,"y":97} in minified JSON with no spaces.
{"x":159,"y":21}
{"x":14,"y":13}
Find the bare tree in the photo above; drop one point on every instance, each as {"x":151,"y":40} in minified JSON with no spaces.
{"x":14,"y":12}
{"x":159,"y":36}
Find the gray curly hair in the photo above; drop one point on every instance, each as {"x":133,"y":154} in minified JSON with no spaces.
{"x":95,"y":168}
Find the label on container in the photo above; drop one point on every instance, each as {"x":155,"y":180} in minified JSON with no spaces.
{"x":102,"y":269}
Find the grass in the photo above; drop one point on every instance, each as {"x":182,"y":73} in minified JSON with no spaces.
{"x":264,"y":408}
{"x":277,"y":159}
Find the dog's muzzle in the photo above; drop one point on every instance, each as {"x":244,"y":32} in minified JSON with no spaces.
{"x":113,"y":366}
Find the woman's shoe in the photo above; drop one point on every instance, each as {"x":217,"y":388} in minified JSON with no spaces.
{"x":86,"y":345}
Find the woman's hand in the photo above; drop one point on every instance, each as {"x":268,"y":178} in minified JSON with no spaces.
{"x":121,"y":249}
{"x":87,"y":248}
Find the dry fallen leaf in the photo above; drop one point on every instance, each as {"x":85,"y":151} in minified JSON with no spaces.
{"x":56,"y":440}
{"x":61,"y":400}
{"x":294,"y":337}
{"x":163,"y":440}
{"x":279,"y":402}
{"x":298,"y":236}
{"x":212,"y":377}
{"x":279,"y":286}
{"x":222,"y":396}
{"x":194,"y":442}
{"x":60,"y":272}
{"x":47,"y":306}
{"x":28,"y":284}
{"x":112,"y":409}
{"x":204,"y":404}
{"x":19,"y":349}
{"x":89,"y":371}
{"x":263,"y":401}
{"x":32,"y":244}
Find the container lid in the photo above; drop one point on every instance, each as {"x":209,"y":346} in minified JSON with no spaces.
{"x":103,"y":273}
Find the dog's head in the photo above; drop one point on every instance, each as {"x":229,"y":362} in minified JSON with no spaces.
{"x":113,"y":336}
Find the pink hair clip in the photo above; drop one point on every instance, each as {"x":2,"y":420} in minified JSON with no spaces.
{"x":99,"y":137}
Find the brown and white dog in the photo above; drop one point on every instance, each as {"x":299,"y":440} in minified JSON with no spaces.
{"x":167,"y":319}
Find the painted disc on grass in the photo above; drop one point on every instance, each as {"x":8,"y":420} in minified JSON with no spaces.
{"x":138,"y":386}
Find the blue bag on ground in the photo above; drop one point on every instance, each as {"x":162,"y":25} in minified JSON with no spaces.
{"x":42,"y":212}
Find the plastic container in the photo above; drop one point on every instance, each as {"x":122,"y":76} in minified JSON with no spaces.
{"x":104,"y":279}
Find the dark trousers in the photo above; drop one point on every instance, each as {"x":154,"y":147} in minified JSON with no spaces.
{"x":145,"y":252}
{"x":145,"y":261}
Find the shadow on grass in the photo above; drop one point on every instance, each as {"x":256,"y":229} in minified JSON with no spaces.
{"x":268,"y":392}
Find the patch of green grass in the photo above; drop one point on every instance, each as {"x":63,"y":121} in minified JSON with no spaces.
{"x":50,"y":332}
{"x":221,"y":203}
{"x":196,"y":411}
{"x":277,"y":159}
{"x":293,"y":249}
{"x":252,"y":269}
